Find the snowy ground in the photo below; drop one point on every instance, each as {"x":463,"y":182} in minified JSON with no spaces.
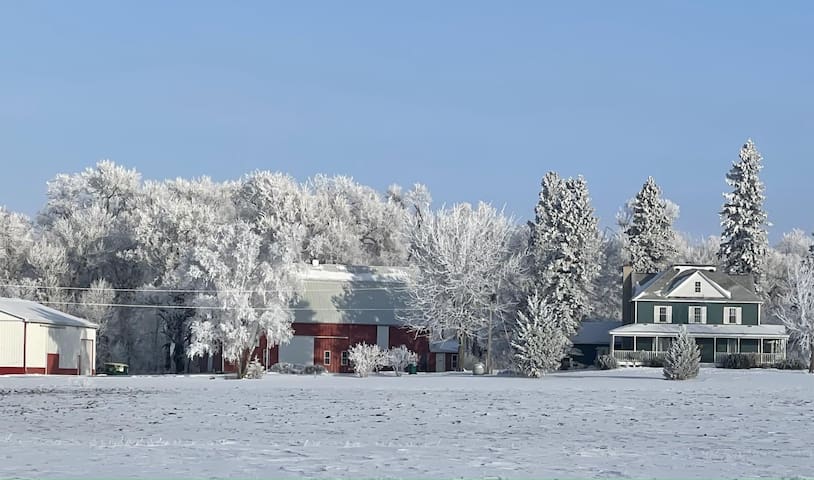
{"x":626,"y":423}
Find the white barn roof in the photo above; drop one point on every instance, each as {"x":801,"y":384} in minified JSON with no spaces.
{"x":33,"y":312}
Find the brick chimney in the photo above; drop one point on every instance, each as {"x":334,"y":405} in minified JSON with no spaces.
{"x":627,"y":293}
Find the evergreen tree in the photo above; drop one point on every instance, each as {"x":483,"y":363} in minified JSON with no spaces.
{"x":650,"y":236}
{"x":683,"y":359}
{"x":744,"y":239}
{"x":539,"y":341}
{"x":565,"y":248}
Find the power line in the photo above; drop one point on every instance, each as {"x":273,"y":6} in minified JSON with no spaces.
{"x":169,"y":290}
{"x":203,"y":307}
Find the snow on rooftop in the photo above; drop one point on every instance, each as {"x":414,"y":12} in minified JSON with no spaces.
{"x":349,"y":273}
{"x":34,"y":312}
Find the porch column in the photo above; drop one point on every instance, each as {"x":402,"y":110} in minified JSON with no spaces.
{"x":613,"y":342}
{"x":634,"y":343}
{"x":739,"y":345}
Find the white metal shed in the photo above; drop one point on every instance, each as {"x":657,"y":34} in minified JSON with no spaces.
{"x":39,"y":339}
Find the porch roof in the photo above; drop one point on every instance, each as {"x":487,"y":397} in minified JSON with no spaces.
{"x":701,"y":330}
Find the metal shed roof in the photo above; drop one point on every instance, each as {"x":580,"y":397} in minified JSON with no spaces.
{"x":33,"y":312}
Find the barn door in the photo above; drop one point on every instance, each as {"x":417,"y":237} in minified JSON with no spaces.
{"x":86,"y":358}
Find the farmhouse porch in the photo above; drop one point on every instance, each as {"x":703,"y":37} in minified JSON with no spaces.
{"x":637,"y":344}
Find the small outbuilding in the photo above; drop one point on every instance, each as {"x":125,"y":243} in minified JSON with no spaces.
{"x":39,"y":339}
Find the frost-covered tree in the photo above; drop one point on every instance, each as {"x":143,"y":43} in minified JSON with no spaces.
{"x":248,"y":296}
{"x":683,"y":359}
{"x":565,"y":248}
{"x":365,"y":358}
{"x":795,"y":307}
{"x":697,"y":251}
{"x":96,"y":307}
{"x":650,"y":238}
{"x":461,"y":258}
{"x":173,"y":219}
{"x":16,"y":238}
{"x":539,"y":341}
{"x":606,"y":302}
{"x":400,"y":357}
{"x":743,"y":220}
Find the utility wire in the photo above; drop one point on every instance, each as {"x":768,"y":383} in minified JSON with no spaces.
{"x":169,"y":290}
{"x":203,"y":307}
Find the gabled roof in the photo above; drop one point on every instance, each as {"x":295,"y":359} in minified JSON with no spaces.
{"x":735,"y":288}
{"x":671,"y":329}
{"x":33,"y":312}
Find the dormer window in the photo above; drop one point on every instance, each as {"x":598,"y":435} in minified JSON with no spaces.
{"x":697,"y":287}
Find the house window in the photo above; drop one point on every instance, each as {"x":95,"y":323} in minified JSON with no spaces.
{"x":697,"y":315}
{"x":453,"y":361}
{"x":663,"y":315}
{"x":697,"y":287}
{"x":663,"y":344}
{"x":732,"y":315}
{"x":345,"y":360}
{"x":326,"y":359}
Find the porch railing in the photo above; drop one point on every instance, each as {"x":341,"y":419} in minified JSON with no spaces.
{"x":637,"y":356}
{"x":760,"y":358}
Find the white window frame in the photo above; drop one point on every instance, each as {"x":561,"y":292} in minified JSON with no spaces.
{"x":344,"y":359}
{"x":657,"y":314}
{"x":691,"y":314}
{"x":326,"y":357}
{"x":453,"y":361}
{"x":728,"y":314}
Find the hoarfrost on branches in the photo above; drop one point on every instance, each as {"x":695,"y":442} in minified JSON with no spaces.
{"x":248,"y":297}
{"x":683,"y":358}
{"x":539,"y":342}
{"x":650,"y":237}
{"x":744,"y":241}
{"x":365,"y":358}
{"x":795,"y":307}
{"x":461,"y":258}
{"x":400,"y":357}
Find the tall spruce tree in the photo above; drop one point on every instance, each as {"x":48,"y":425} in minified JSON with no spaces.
{"x":650,"y":236}
{"x":744,"y":239}
{"x":539,"y":342}
{"x":565,"y":248}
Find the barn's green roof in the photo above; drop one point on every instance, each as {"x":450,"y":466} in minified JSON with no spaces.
{"x":348,"y":294}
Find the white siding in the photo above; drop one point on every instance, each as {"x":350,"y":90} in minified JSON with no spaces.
{"x":65,"y":341}
{"x":383,"y":337}
{"x":299,"y":350}
{"x":11,"y":343}
{"x":687,"y":288}
{"x":35,"y":345}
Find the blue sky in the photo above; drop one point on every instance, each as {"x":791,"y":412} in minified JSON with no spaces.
{"x":476,"y":99}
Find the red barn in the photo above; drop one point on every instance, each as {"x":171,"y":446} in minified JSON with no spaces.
{"x":345,"y":305}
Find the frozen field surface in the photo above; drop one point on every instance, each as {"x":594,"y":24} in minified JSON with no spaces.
{"x":623,"y":423}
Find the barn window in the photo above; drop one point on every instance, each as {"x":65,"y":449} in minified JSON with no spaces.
{"x":697,"y":287}
{"x":453,"y":361}
{"x":327,"y":358}
{"x":345,"y":360}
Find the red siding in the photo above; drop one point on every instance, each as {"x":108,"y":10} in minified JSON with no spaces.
{"x":53,"y":366}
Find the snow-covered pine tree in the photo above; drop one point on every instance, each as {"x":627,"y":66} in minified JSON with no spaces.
{"x":683,"y":359}
{"x":565,"y":248}
{"x":650,"y":236}
{"x":743,"y":220}
{"x":539,"y":340}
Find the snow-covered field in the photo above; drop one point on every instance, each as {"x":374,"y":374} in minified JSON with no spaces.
{"x":626,"y":423}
